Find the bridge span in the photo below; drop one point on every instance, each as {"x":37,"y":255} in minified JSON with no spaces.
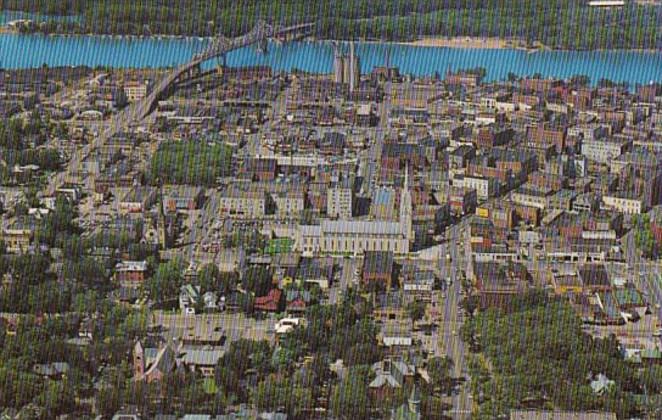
{"x":137,"y":111}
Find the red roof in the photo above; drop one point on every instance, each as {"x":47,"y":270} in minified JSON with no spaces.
{"x":270,"y":301}
{"x":296,"y":304}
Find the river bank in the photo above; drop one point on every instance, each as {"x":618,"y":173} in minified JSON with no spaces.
{"x":471,"y":42}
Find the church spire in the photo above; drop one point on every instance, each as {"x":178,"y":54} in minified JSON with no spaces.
{"x":406,"y":207}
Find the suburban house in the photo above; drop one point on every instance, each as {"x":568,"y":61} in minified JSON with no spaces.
{"x":131,"y":272}
{"x":272,"y":302}
{"x":55,"y":370}
{"x":498,"y":283}
{"x":390,"y":375}
{"x":396,"y":334}
{"x":138,"y":200}
{"x":378,"y":268}
{"x":595,"y":277}
{"x":389,"y":306}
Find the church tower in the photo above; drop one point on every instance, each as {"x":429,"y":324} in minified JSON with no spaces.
{"x":162,"y":227}
{"x":406,"y":210}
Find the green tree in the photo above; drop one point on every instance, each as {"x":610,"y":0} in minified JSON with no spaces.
{"x":651,"y":377}
{"x":210,"y":278}
{"x":416,"y":310}
{"x":165,"y":283}
{"x":349,"y":399}
{"x":258,"y":280}
{"x":439,"y":369}
{"x":56,"y":398}
{"x":278,"y":393}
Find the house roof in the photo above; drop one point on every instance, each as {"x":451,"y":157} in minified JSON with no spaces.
{"x":166,"y":361}
{"x":131,"y":266}
{"x":594,"y":275}
{"x":378,"y":262}
{"x":397,"y":328}
{"x":51,"y":369}
{"x":390,"y":373}
{"x":270,"y":301}
{"x":201,"y":357}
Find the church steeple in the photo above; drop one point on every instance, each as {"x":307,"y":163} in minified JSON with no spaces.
{"x":406,"y":209}
{"x":414,"y":402}
{"x":161,"y":227}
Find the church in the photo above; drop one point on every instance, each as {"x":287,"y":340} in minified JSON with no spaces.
{"x":357,"y":236}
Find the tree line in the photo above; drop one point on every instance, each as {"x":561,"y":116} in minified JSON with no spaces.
{"x":557,"y":23}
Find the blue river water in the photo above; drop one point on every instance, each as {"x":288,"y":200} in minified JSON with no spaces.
{"x":24,"y":51}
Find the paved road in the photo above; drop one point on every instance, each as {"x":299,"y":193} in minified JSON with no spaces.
{"x":450,"y":321}
{"x":235,"y":326}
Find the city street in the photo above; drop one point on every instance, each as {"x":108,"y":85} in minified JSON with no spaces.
{"x":447,"y":334}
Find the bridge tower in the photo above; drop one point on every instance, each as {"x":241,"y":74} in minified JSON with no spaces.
{"x":262,"y":31}
{"x":262,"y":46}
{"x":221,"y":61}
{"x":194,"y":71}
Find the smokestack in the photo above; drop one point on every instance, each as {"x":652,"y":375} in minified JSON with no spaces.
{"x":352,"y":69}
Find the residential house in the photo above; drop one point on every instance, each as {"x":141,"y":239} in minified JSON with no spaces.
{"x":498,"y":283}
{"x":289,"y":203}
{"x":604,"y":150}
{"x":131,"y":272}
{"x":378,"y":269}
{"x":417,"y":283}
{"x":56,"y":370}
{"x":316,"y":270}
{"x":259,"y":169}
{"x":182,"y":197}
{"x":272,"y":302}
{"x":138,"y":200}
{"x":201,"y":360}
{"x":595,"y":277}
{"x":397,"y":333}
{"x":244,"y":201}
{"x":626,"y":203}
{"x":389,"y":305}
{"x":17,"y":236}
{"x":296,"y":301}
{"x":189,"y":296}
{"x":390,"y":376}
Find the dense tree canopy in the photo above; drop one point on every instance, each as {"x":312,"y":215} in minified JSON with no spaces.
{"x":558,"y":23}
{"x":538,"y":354}
{"x":194,"y":163}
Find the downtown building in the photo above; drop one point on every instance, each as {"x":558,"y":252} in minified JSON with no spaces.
{"x":357,"y":236}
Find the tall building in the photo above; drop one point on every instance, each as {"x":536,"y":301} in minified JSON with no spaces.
{"x":347,"y":68}
{"x":338,"y":65}
{"x":339,"y":199}
{"x":354,"y":69}
{"x":406,"y":208}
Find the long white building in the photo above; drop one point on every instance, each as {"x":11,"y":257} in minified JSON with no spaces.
{"x":353,"y":236}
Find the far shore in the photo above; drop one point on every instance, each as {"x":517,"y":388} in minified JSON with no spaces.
{"x":473,"y":42}
{"x":462,"y":42}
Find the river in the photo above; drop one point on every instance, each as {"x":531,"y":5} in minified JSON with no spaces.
{"x":23,"y":51}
